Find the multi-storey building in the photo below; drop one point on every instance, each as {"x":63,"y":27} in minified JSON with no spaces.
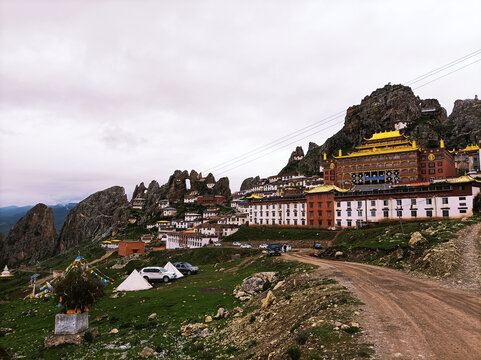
{"x":468,"y":160}
{"x":321,"y":205}
{"x":288,"y":210}
{"x":451,"y":199}
{"x":187,"y":239}
{"x":388,"y":157}
{"x":237,"y":219}
{"x":210,"y":199}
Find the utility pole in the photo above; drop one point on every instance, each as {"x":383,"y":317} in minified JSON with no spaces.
{"x":400,"y":222}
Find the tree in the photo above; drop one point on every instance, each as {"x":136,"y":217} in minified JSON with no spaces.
{"x":78,"y":290}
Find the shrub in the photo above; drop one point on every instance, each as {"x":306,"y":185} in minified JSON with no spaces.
{"x":78,"y":290}
{"x":294,"y":353}
{"x":302,"y":337}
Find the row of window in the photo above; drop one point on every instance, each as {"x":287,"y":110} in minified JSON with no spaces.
{"x":279,"y":206}
{"x":288,"y":213}
{"x":413,"y":201}
{"x":278,"y":222}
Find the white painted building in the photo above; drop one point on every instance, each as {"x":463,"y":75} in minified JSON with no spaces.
{"x":210,"y":213}
{"x":184,"y":240}
{"x":437,"y":201}
{"x":192,"y":216}
{"x":278,"y":211}
{"x":163,"y":204}
{"x":237,"y":219}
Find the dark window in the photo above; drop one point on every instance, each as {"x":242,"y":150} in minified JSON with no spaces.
{"x":440,"y":170}
{"x":440,"y":163}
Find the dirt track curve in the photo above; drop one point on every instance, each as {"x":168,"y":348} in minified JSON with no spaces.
{"x":406,"y":317}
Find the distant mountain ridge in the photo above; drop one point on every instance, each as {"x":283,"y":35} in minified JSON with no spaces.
{"x":9,"y":215}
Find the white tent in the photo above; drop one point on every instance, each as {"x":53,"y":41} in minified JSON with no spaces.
{"x":134,"y":282}
{"x":170,"y":267}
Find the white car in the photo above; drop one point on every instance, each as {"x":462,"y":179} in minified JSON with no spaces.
{"x":155,"y":273}
{"x":217,"y":244}
{"x":236,"y":243}
{"x":263,"y":246}
{"x":245,"y":246}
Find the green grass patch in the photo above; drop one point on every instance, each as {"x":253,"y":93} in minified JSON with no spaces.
{"x":177,"y":303}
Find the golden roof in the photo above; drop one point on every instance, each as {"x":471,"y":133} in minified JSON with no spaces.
{"x":325,"y":188}
{"x":254,"y":196}
{"x":385,"y":135}
{"x":379,"y":151}
{"x":464,"y":179}
{"x":470,"y":148}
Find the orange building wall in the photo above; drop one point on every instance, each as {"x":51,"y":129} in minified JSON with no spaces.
{"x":320,"y":209}
{"x":131,"y":247}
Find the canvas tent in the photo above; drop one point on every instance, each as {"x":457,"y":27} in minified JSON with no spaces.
{"x":134,"y":282}
{"x":170,"y":267}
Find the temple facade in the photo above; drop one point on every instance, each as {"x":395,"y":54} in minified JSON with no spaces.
{"x":388,"y":158}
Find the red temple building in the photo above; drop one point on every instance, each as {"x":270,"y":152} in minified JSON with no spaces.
{"x":388,"y":158}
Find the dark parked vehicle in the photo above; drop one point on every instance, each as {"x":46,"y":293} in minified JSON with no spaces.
{"x":274,"y":250}
{"x":185,"y":268}
{"x":317,"y":246}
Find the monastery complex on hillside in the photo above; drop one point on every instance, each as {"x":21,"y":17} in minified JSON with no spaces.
{"x":386,"y":178}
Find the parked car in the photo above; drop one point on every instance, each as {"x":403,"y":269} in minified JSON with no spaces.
{"x":217,"y":244}
{"x":245,"y":246}
{"x":274,"y":250}
{"x":317,"y":246}
{"x":157,"y":273}
{"x":263,"y":246}
{"x":185,"y":268}
{"x":236,"y":243}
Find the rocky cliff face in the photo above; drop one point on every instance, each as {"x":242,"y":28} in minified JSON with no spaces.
{"x":464,"y":124}
{"x":222,"y":187}
{"x":92,"y":217}
{"x":425,"y":120}
{"x":250,"y":182}
{"x":32,"y":238}
{"x":174,"y":190}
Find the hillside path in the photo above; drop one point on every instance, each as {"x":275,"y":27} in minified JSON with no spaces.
{"x":406,"y":317}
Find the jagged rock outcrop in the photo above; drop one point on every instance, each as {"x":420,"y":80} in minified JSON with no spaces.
{"x":387,"y":108}
{"x":32,"y":238}
{"x":92,"y":217}
{"x":179,"y":184}
{"x":222,"y":187}
{"x":250,"y":183}
{"x":464,"y":124}
{"x":297,"y":154}
{"x":139,"y":191}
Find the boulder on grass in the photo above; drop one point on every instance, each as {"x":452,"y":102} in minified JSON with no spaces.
{"x":417,"y":239}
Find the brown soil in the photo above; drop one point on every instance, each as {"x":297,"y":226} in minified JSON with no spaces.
{"x":406,"y":317}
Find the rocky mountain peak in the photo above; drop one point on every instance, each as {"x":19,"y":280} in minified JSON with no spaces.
{"x":92,"y":217}
{"x":32,"y":238}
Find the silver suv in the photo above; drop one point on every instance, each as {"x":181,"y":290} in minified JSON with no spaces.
{"x":156,"y":274}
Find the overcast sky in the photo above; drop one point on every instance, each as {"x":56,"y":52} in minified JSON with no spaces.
{"x":101,"y":93}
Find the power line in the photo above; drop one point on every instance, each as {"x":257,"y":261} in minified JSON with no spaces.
{"x":330,"y":118}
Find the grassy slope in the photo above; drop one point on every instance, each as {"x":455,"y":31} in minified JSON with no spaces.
{"x":375,"y":245}
{"x":183,"y":301}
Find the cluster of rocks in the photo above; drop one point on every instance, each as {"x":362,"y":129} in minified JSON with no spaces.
{"x":192,"y":330}
{"x":253,"y":284}
{"x":441,"y":260}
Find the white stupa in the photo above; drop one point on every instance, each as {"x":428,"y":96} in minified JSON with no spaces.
{"x":6,"y":272}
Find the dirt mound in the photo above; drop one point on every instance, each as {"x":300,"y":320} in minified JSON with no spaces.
{"x":305,"y":315}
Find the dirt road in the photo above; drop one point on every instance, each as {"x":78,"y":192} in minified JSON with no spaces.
{"x":406,"y":317}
